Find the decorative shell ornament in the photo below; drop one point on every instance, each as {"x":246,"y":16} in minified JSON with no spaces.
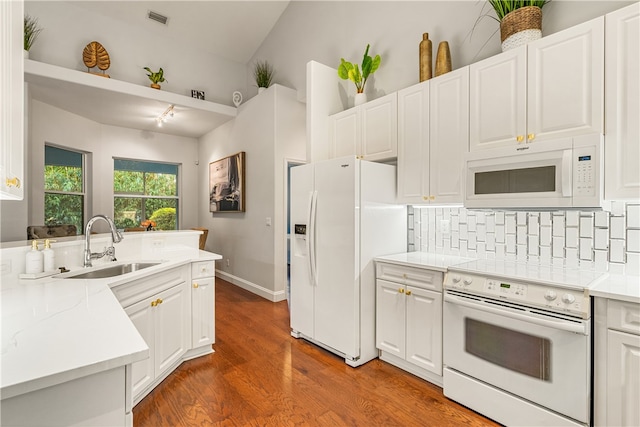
{"x":95,"y":55}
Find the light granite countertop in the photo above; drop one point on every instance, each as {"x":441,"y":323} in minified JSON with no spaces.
{"x":55,"y":330}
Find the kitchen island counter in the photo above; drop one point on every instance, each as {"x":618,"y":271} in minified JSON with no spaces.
{"x":55,"y":330}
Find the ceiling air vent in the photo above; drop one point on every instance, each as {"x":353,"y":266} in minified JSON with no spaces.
{"x":155,"y":16}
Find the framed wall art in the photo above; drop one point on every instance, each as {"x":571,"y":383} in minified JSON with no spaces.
{"x":227,"y":184}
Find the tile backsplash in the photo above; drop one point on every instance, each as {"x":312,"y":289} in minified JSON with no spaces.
{"x":602,"y":240}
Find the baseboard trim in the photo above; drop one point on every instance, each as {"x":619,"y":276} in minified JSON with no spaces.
{"x":252,"y":287}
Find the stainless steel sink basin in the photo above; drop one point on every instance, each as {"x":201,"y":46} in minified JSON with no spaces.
{"x":115,"y":270}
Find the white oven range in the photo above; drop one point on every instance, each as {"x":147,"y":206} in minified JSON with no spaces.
{"x":517,"y":342}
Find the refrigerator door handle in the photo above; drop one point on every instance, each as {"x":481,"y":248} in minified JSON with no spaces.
{"x":311,"y":238}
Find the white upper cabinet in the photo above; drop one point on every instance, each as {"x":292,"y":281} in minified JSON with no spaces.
{"x":344,"y":128}
{"x":413,"y":144}
{"x":11,"y":101}
{"x":498,"y":100}
{"x":448,"y":135}
{"x":566,"y":82}
{"x":433,"y":135}
{"x":622,"y":98}
{"x":549,"y":89}
{"x":369,"y":131}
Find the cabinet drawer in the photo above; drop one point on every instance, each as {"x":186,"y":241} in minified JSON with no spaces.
{"x":202,"y":269}
{"x":623,"y":316}
{"x":412,"y":276}
{"x":132,"y":292}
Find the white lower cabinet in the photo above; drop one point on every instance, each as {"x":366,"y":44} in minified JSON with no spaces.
{"x":174,"y":312}
{"x":163,"y":322}
{"x":617,"y":363}
{"x":202,"y":304}
{"x":409,"y":319}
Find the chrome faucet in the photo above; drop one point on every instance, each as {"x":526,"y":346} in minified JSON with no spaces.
{"x":116,"y":237}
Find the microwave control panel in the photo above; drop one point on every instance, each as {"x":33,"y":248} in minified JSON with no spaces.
{"x":584,"y":167}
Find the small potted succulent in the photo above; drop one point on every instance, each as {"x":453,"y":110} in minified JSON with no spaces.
{"x":155,"y":77}
{"x":349,"y":71}
{"x":263,"y":73}
{"x":31,"y":32}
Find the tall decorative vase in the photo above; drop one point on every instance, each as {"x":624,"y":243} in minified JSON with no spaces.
{"x":443,"y":59}
{"x":425,"y":57}
{"x":521,"y":26}
{"x":360,"y":99}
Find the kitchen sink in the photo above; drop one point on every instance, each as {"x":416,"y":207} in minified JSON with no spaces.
{"x":111,"y":271}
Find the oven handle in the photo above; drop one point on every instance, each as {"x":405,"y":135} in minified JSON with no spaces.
{"x":559,"y":324}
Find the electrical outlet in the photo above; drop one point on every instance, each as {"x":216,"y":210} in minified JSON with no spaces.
{"x":268,"y":221}
{"x":228,"y":262}
{"x":5,"y":266}
{"x":445,"y":226}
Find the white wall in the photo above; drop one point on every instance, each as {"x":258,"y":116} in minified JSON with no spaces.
{"x":269,"y":128}
{"x":325,"y":31}
{"x":68,"y":28}
{"x":53,"y":125}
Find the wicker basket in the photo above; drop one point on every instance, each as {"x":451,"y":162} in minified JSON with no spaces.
{"x":520,"y":27}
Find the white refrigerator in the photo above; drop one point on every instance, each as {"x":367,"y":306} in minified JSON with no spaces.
{"x":343,"y":214}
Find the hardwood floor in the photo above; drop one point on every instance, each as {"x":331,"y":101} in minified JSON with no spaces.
{"x":260,"y":376}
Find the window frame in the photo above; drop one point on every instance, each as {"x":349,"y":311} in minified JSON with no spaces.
{"x":85,"y":183}
{"x":142,"y":196}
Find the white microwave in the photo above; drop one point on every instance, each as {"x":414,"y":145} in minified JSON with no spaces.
{"x":563,"y":173}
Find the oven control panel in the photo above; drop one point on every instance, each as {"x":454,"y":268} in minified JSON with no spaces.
{"x":573,"y":301}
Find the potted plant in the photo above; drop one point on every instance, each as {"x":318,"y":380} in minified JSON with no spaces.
{"x":347,"y":70}
{"x":155,"y":77}
{"x":263,"y":74}
{"x":520,"y":21}
{"x":31,"y":32}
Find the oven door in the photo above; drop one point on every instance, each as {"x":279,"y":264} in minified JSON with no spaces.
{"x":544,"y":359}
{"x":538,"y":176}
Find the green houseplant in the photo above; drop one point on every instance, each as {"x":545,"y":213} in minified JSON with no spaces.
{"x":155,"y":77}
{"x":263,"y":73}
{"x":31,"y":31}
{"x":349,"y":71}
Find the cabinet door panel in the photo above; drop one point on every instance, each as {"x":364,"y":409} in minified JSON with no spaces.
{"x":498,"y":100}
{"x":344,"y":136}
{"x":380,"y":128}
{"x":623,"y":371}
{"x":449,"y":135}
{"x":566,"y":82}
{"x":172,"y":327}
{"x":141,"y":315}
{"x":622,"y":97}
{"x":424,"y":329}
{"x":203,"y":312}
{"x":413,"y":144}
{"x":11,"y":101}
{"x":390,"y":317}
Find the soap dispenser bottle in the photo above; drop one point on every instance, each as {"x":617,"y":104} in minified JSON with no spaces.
{"x":49,"y":256}
{"x":34,"y":260}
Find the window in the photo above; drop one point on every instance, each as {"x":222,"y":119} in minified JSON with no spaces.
{"x":64,"y":187}
{"x":145,"y":191}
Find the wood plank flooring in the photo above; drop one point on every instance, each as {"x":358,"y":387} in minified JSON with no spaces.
{"x":261,"y":376}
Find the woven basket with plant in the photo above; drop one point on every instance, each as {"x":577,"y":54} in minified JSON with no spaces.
{"x":520,"y":21}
